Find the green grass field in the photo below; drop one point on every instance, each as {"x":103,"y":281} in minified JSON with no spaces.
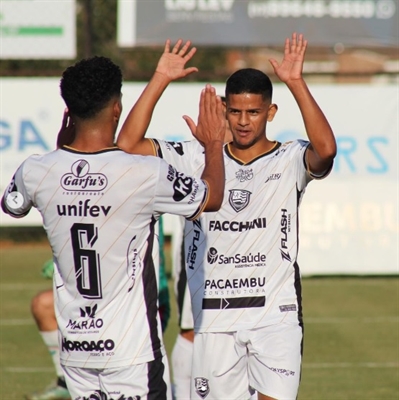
{"x":351,"y":332}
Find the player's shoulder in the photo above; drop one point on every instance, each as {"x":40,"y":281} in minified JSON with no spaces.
{"x":127,"y":158}
{"x":293,"y":146}
{"x":295,"y":143}
{"x":40,"y":158}
{"x":182,"y":148}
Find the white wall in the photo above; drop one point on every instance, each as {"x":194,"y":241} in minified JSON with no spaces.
{"x":349,"y":222}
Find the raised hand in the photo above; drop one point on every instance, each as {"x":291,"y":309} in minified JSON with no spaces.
{"x":172,"y":63}
{"x":66,"y":135}
{"x":294,"y":55}
{"x":211,"y":120}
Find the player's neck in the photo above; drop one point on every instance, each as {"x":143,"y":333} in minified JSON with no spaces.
{"x":93,"y":140}
{"x":249,"y":153}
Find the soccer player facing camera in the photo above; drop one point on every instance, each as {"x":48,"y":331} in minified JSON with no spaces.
{"x":241,"y":261}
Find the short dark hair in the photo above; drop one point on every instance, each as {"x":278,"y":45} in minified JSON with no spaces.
{"x":89,"y":85}
{"x":249,"y":80}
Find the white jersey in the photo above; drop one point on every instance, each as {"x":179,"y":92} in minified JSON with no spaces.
{"x":99,"y":212}
{"x":241,"y":261}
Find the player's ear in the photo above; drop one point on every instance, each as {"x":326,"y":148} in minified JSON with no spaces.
{"x":271,"y":112}
{"x":117,"y":109}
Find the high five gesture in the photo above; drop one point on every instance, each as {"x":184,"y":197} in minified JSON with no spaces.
{"x":172,"y":63}
{"x":171,"y":66}
{"x":294,"y":55}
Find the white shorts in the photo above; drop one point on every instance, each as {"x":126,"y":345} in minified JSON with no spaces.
{"x":148,"y":381}
{"x":182,"y":358}
{"x":229,"y":365}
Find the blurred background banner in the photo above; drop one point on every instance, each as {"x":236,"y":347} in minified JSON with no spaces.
{"x":37,"y":29}
{"x":348,"y":222}
{"x":258,"y":22}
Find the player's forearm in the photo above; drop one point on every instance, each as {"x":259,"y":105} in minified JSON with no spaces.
{"x":131,"y":137}
{"x":214,"y":174}
{"x":317,"y":127}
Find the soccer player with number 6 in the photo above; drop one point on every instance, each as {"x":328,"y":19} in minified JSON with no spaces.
{"x":99,"y":206}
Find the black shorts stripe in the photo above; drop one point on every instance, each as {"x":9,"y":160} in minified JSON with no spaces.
{"x":151,"y":293}
{"x":233,"y":302}
{"x":157,"y":388}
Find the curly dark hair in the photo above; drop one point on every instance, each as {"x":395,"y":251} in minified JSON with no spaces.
{"x":249,"y":80}
{"x":87,"y":86}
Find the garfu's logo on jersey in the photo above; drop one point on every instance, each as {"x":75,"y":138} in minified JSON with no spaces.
{"x":202,"y":387}
{"x":244,"y":175}
{"x":82,"y":180}
{"x":239,"y":199}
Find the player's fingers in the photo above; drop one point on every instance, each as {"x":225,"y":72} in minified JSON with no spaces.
{"x":190,"y":54}
{"x":208,"y":99}
{"x":189,"y":71}
{"x":304,"y":46}
{"x":214,"y":101}
{"x":287,"y":46}
{"x":202,"y":102}
{"x":294,"y":42}
{"x":300,"y":43}
{"x":184,"y":48}
{"x":167,"y":46}
{"x":221,"y":116}
{"x":191,"y":124}
{"x":177,"y":46}
{"x":273,"y":63}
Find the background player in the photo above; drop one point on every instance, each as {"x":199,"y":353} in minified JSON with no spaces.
{"x":77,"y":190}
{"x":42,"y":309}
{"x":242,"y":261}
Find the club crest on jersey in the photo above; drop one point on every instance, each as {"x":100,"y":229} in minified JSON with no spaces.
{"x":202,"y":387}
{"x":239,"y":199}
{"x":82,"y":180}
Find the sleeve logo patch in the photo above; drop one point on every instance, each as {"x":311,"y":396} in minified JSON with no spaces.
{"x":14,"y":200}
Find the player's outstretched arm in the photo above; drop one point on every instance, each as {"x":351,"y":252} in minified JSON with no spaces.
{"x":210,"y":132}
{"x":323,"y":148}
{"x":171,"y":66}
